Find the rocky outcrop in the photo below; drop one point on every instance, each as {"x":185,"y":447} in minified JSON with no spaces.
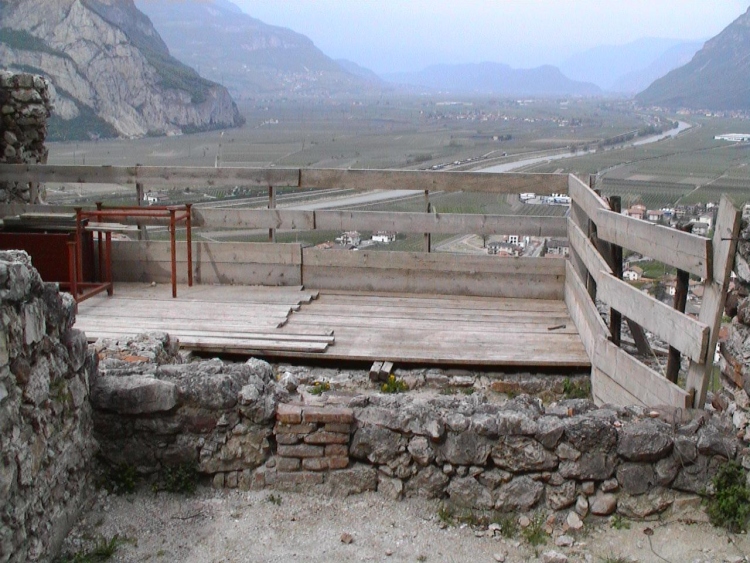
{"x":24,"y":109}
{"x":111,"y":72}
{"x":46,"y":443}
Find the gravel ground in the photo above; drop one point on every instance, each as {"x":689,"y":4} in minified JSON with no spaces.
{"x":265,"y":526}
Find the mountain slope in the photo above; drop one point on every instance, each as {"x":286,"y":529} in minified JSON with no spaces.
{"x":495,"y":78}
{"x":246,"y":55}
{"x":605,"y":64}
{"x":111,"y":72}
{"x":717,"y":78}
{"x":673,"y":58}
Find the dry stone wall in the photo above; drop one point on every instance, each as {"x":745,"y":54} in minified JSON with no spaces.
{"x":24,"y":109}
{"x":46,"y":443}
{"x":245,"y":430}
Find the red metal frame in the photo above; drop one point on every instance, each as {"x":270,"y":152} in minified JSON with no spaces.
{"x":174,"y":213}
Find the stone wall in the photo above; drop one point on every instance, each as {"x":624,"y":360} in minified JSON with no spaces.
{"x":45,"y":415}
{"x":24,"y":110}
{"x":481,"y":452}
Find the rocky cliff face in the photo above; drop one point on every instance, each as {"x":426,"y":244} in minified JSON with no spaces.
{"x":111,"y":72}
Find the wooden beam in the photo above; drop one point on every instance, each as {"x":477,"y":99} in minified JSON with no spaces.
{"x":684,"y":333}
{"x":684,"y":251}
{"x":583,"y":311}
{"x":592,"y":260}
{"x":442,"y":223}
{"x":636,"y":378}
{"x":715,"y":294}
{"x":588,"y":201}
{"x":606,"y":391}
{"x":282,"y":219}
{"x":436,"y":262}
{"x":150,"y":176}
{"x":363,"y":180}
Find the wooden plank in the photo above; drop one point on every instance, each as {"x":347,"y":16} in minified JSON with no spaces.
{"x":362,"y":180}
{"x":583,"y":311}
{"x":592,"y":260}
{"x":487,"y":284}
{"x":606,"y":391}
{"x":585,"y":198}
{"x":434,"y":262}
{"x":180,"y":176}
{"x":637,"y":378}
{"x":714,"y":295}
{"x":284,"y":219}
{"x":236,"y":345}
{"x":178,"y":332}
{"x":210,"y":252}
{"x":68,"y":174}
{"x":367,"y":308}
{"x":679,"y":330}
{"x":459,"y":323}
{"x":445,"y":223}
{"x":445,"y":303}
{"x":684,"y":251}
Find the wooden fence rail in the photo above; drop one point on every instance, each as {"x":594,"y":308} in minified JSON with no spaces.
{"x":618,"y":377}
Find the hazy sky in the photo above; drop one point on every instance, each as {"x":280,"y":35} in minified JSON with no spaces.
{"x":393,"y":35}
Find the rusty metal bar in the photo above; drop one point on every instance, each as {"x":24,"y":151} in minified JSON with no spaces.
{"x":189,"y":235}
{"x":615,"y":318}
{"x":427,"y":236}
{"x":680,"y":303}
{"x":173,"y":247}
{"x":271,"y":205}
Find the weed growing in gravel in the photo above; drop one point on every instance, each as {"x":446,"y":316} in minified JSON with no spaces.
{"x":508,"y":526}
{"x":573,"y":390}
{"x":102,"y":551}
{"x":730,"y":506}
{"x":320,"y":387}
{"x":274,"y":499}
{"x":394,"y":385}
{"x":614,"y":559}
{"x":534,"y":533}
{"x":181,"y":478}
{"x":121,"y":479}
{"x":421,"y":558}
{"x":619,"y":523}
{"x":445,"y":515}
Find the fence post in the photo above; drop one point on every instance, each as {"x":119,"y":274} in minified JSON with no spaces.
{"x":427,"y":236}
{"x":271,"y":205}
{"x":615,"y":318}
{"x":680,"y":302}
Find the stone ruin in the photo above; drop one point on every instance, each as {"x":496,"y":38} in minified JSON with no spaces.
{"x":46,"y":427}
{"x":24,"y":109}
{"x":141,"y":402}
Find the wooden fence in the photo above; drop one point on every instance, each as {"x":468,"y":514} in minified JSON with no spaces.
{"x":290,"y":264}
{"x":596,"y":233}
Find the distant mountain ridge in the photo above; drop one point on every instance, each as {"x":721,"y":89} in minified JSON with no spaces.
{"x":675,"y":57}
{"x":717,"y":78}
{"x":248,"y":56}
{"x":497,"y":79}
{"x":111,"y":73}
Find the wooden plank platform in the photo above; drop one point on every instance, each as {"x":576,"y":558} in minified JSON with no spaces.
{"x":292,"y":322}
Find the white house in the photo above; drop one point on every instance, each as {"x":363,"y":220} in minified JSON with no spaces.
{"x":350,"y":238}
{"x":386,"y":237}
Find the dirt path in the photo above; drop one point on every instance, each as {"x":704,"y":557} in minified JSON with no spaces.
{"x":232,"y":526}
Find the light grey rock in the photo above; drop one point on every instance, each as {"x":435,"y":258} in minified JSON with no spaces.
{"x":134,"y":395}
{"x":520,"y":454}
{"x":562,"y":496}
{"x":354,"y":480}
{"x":429,"y":482}
{"x":643,"y":506}
{"x":467,"y":492}
{"x":636,"y":478}
{"x":595,"y":466}
{"x":603,"y":504}
{"x":421,"y":450}
{"x":521,"y":494}
{"x":376,"y":444}
{"x":466,"y":448}
{"x":390,"y":488}
{"x":645,"y":440}
{"x":582,"y":506}
{"x":554,"y":557}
